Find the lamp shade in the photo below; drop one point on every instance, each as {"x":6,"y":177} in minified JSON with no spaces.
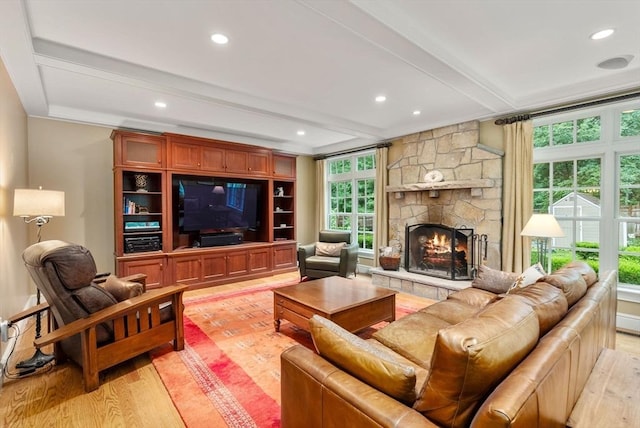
{"x":542,"y":226}
{"x":38,"y":202}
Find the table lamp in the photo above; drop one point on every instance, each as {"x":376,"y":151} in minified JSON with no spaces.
{"x":541,"y":227}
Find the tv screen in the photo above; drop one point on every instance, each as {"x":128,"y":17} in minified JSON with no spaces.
{"x":217,"y":205}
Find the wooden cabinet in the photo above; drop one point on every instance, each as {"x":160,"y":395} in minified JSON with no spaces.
{"x":285,"y":256}
{"x":284,"y":166}
{"x":197,"y":157}
{"x":258,"y":163}
{"x":284,"y":210}
{"x":148,"y":172}
{"x":153,"y":267}
{"x":139,"y":150}
{"x":194,"y":269}
{"x":196,"y":154}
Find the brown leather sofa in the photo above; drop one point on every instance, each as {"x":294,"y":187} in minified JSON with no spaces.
{"x":479,"y":358}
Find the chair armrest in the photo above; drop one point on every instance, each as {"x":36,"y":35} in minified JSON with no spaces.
{"x":349,"y":260}
{"x":28,"y":312}
{"x":304,"y":252}
{"x":306,"y":375}
{"x":144,"y":301}
{"x":307,"y":250}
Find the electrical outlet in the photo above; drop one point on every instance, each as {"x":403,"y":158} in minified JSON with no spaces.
{"x":4,"y":330}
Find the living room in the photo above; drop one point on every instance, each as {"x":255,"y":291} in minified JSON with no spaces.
{"x":77,"y":156}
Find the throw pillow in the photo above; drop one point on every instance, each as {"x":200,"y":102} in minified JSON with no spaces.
{"x":370,"y":364}
{"x":330,"y":249}
{"x":528,"y":277}
{"x":121,"y":290}
{"x":493,"y":280}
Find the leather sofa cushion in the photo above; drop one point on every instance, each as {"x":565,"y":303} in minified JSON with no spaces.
{"x":493,"y":280}
{"x":451,"y":310}
{"x":587,"y":272}
{"x":570,"y":281}
{"x":546,"y":300}
{"x":472,"y":357}
{"x":474,"y":296}
{"x":372,"y":365}
{"x":412,"y":336}
{"x":323,"y":263}
{"x":121,"y":290}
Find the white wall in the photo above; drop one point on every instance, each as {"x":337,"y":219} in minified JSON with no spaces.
{"x":77,"y":159}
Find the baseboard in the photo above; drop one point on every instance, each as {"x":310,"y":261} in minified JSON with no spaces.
{"x":628,"y":323}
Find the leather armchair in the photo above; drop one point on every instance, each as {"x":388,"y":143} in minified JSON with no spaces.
{"x":313,"y":264}
{"x":99,"y":325}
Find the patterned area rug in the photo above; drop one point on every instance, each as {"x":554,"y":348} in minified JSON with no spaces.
{"x":229,"y":372}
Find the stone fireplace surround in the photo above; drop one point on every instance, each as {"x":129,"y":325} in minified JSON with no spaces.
{"x":470,"y":196}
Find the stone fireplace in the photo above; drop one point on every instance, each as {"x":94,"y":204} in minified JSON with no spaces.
{"x":469,"y":196}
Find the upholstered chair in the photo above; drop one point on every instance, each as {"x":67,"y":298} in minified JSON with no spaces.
{"x":333,"y":254}
{"x":100,"y":323}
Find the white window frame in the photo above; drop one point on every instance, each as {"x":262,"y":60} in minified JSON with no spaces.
{"x":610,"y":146}
{"x":352,"y":176}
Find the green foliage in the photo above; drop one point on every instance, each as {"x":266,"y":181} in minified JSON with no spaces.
{"x":588,"y":129}
{"x":630,"y":123}
{"x":587,"y":255}
{"x":629,"y":270}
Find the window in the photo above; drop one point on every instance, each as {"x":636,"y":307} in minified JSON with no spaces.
{"x":587,"y":173}
{"x":351,"y":196}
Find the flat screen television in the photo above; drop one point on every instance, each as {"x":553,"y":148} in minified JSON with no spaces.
{"x":216,"y":205}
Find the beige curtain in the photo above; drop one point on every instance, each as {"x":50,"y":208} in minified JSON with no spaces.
{"x":321,"y":218}
{"x":518,"y":194}
{"x":381,"y":231}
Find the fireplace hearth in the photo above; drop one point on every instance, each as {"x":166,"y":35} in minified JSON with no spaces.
{"x":440,"y":251}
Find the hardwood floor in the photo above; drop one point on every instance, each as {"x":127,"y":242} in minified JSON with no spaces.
{"x":130,"y":394}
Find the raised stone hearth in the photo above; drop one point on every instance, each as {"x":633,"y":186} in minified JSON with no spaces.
{"x":420,"y":285}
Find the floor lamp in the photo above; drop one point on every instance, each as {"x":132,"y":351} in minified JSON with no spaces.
{"x":37,"y":206}
{"x":541,"y":227}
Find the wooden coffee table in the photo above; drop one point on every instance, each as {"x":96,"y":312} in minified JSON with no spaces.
{"x":352,"y":305}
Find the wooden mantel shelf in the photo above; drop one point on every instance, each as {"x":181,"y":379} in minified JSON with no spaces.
{"x":475,"y":185}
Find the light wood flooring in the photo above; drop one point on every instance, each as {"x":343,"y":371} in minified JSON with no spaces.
{"x":130,"y":394}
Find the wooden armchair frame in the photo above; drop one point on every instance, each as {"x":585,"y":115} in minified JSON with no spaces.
{"x":133,"y":333}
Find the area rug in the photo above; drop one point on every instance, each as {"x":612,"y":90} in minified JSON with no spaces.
{"x":228,"y":375}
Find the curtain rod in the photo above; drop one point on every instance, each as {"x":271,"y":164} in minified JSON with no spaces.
{"x":356,"y":150}
{"x":527,"y":116}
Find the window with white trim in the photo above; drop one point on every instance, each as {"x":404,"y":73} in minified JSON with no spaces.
{"x":350,"y":197}
{"x":587,"y":173}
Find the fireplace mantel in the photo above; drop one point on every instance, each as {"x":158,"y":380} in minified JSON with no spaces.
{"x":476,"y":186}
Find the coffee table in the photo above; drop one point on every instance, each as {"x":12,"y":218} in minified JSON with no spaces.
{"x":352,"y":305}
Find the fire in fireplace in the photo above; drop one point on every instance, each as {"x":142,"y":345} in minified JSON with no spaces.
{"x":437,"y":250}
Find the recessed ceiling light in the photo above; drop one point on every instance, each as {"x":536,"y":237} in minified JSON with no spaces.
{"x":220,"y":39}
{"x":161,"y":104}
{"x":381,"y":99}
{"x":602,"y":34}
{"x":300,"y":132}
{"x":416,"y":112}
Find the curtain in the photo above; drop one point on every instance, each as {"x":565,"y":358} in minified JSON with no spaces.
{"x":518,"y":194}
{"x":381,"y":231}
{"x":321,"y":218}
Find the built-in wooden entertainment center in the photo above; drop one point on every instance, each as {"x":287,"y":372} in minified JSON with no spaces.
{"x":151,"y":173}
